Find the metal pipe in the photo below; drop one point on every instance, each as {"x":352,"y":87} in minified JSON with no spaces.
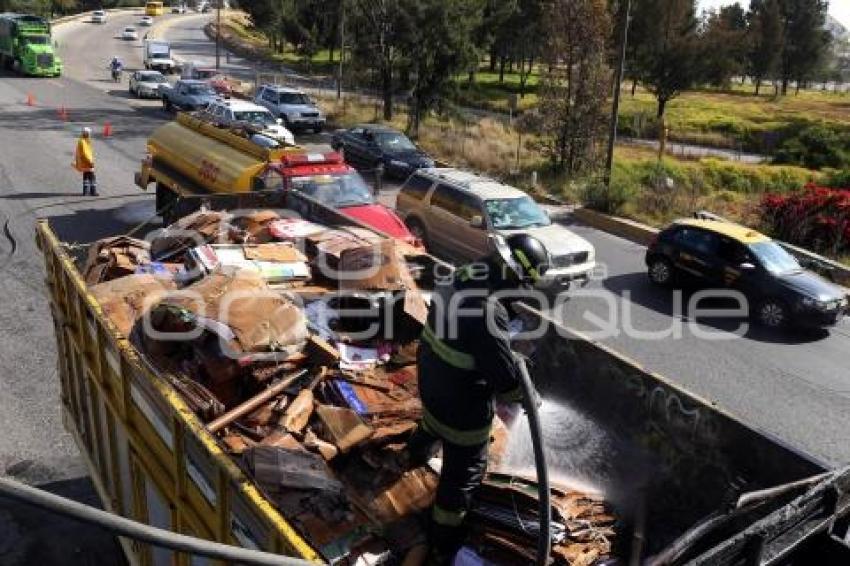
{"x":544,"y":538}
{"x":140,"y":531}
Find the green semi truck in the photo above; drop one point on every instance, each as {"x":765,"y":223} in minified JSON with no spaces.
{"x":26,"y":46}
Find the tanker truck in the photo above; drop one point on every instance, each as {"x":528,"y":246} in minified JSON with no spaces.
{"x":192,"y":161}
{"x":26,"y":46}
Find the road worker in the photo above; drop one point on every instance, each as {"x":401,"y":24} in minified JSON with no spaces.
{"x":84,"y":162}
{"x":465,"y":364}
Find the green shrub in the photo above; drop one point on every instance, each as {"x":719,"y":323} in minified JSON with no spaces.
{"x":839,"y":179}
{"x":609,"y":200}
{"x":815,"y":147}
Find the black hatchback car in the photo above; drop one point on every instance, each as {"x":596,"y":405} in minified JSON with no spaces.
{"x":720,"y":254}
{"x":366,"y":146}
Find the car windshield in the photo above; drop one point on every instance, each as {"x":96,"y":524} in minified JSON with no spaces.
{"x":152,"y":78}
{"x":774,"y":258}
{"x":394,"y":143}
{"x":129,"y":30}
{"x":254,"y":116}
{"x":36,"y":40}
{"x":200,"y":89}
{"x":515,"y":213}
{"x":294,"y":98}
{"x":336,"y":191}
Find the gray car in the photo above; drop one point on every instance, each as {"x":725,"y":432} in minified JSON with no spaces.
{"x":457,"y":214}
{"x":295,"y":108}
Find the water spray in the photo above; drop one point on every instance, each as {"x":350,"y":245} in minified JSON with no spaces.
{"x":544,"y":540}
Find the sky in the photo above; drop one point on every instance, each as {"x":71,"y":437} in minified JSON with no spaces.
{"x":840,"y":9}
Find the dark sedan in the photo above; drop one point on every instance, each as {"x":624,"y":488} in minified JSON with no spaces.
{"x":725,"y":255}
{"x":368,"y":146}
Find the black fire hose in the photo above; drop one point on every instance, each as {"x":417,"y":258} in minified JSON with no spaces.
{"x":544,"y":540}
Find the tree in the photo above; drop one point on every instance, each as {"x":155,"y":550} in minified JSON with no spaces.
{"x":377,"y":40}
{"x":438,"y":45}
{"x":766,"y":39}
{"x":574,"y":90}
{"x":667,"y":61}
{"x":723,"y":42}
{"x":806,"y":40}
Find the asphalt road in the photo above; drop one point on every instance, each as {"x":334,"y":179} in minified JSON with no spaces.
{"x":794,"y":386}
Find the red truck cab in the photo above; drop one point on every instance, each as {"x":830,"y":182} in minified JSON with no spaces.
{"x":326,"y":177}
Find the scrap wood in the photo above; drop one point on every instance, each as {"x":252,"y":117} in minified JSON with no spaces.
{"x":388,"y":432}
{"x":281,"y":439}
{"x":235,"y":443}
{"x":342,"y":427}
{"x":298,"y":412}
{"x":240,"y":306}
{"x":364,"y":381}
{"x":579,"y":554}
{"x":251,"y":404}
{"x":312,"y":442}
{"x":411,"y":493}
{"x":111,"y":258}
{"x":126,"y":299}
{"x":200,"y":399}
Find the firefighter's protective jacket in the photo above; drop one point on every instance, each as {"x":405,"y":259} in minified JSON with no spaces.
{"x":464,"y":362}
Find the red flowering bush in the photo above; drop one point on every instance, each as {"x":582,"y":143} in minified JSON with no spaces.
{"x":816,"y":218}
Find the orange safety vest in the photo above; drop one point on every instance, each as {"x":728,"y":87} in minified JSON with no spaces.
{"x":84,"y":156}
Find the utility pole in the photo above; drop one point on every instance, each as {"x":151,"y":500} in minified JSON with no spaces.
{"x":341,"y":48}
{"x":621,"y":68}
{"x":218,"y":35}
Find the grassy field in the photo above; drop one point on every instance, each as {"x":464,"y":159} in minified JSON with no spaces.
{"x":490,"y":145}
{"x":735,"y":118}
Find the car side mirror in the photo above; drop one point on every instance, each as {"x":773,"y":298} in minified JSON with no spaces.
{"x":477,"y":221}
{"x":747,"y":266}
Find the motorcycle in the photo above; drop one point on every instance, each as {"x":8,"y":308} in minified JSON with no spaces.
{"x":116,"y":75}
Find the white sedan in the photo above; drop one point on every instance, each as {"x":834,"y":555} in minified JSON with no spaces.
{"x":145,"y":84}
{"x":98,"y":17}
{"x":129,"y":33}
{"x":146,"y":21}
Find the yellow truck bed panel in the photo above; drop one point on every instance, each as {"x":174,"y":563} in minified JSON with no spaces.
{"x":150,"y":457}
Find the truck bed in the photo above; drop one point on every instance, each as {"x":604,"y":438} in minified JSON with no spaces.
{"x":664,"y":459}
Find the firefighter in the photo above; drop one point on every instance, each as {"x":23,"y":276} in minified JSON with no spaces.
{"x":84,"y":162}
{"x":465,"y":364}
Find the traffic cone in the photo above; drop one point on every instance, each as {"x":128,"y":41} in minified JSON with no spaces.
{"x":63,"y":113}
{"x":107,"y":129}
{"x":30,"y":99}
